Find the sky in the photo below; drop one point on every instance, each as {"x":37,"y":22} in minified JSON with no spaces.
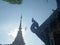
{"x":10,"y":14}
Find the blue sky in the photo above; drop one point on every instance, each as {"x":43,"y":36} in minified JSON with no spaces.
{"x":10,"y":14}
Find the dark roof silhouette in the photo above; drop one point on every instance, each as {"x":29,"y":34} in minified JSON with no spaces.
{"x":43,"y":31}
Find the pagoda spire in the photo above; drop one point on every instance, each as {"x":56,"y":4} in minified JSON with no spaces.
{"x":20,"y":27}
{"x":19,"y":38}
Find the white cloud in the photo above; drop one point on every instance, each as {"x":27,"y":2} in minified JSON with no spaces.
{"x":13,"y":33}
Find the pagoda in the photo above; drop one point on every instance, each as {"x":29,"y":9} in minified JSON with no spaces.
{"x":19,"y":38}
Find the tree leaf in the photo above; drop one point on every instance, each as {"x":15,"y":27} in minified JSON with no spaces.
{"x":14,"y":1}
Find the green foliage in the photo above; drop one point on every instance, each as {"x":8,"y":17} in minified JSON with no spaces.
{"x":14,"y":1}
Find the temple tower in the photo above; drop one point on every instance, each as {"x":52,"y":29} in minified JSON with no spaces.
{"x":19,"y":38}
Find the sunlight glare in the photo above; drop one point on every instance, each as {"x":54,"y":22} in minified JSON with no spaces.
{"x":24,"y":32}
{"x":13,"y":33}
